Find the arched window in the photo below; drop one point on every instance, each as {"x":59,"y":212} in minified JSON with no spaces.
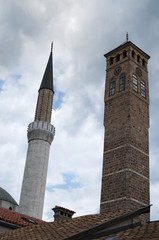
{"x":143,"y":62}
{"x":133,"y":54}
{"x":124,"y":54}
{"x":111,"y":61}
{"x":117,"y":57}
{"x":134,"y":83}
{"x":142,"y":88}
{"x":112,"y":87}
{"x":138,"y":58}
{"x":122,"y":83}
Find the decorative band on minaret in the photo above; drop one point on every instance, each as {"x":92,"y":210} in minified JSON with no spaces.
{"x":40,"y":136}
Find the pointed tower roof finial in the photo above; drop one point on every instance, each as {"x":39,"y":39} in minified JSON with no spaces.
{"x":51,"y":46}
{"x":127,"y":37}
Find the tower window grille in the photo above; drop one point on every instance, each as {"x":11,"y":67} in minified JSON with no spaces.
{"x":133,"y":54}
{"x":134,"y":83}
{"x":124,"y":54}
{"x":138,"y":58}
{"x":111,"y":61}
{"x":143,"y":62}
{"x":117,"y":57}
{"x":142,"y":88}
{"x":112,"y":87}
{"x":122,"y":83}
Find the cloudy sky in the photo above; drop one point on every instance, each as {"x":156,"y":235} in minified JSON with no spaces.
{"x":82,"y":31}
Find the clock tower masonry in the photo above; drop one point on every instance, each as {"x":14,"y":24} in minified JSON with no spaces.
{"x":125,"y":175}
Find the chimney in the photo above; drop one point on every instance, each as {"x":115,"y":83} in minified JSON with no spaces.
{"x":61,"y":213}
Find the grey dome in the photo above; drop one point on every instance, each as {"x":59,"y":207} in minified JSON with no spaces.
{"x":4,"y":195}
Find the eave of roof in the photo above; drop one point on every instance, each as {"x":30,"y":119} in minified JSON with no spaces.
{"x":61,"y":229}
{"x":125,"y":44}
{"x":145,"y":231}
{"x":15,"y":218}
{"x":62,"y":208}
{"x":8,"y":225}
{"x":106,"y":225}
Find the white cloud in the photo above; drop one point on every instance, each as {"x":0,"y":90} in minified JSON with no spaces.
{"x":82,"y":32}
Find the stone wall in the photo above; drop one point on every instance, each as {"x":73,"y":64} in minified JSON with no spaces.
{"x":125,"y":177}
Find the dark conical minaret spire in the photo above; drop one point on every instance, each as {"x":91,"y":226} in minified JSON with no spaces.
{"x":46,"y":91}
{"x":47,"y":81}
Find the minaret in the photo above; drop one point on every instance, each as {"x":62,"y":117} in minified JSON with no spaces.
{"x":40,"y":136}
{"x":125,"y":177}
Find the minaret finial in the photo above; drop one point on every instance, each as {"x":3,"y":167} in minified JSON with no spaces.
{"x":51,"y":46}
{"x":127,"y":37}
{"x":47,"y":80}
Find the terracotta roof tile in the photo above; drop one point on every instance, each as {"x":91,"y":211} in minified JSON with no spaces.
{"x":60,"y":229}
{"x":16,"y":218}
{"x":62,"y":208}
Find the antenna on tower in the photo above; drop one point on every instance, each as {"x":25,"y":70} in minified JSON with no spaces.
{"x":127,"y":37}
{"x":51,"y":46}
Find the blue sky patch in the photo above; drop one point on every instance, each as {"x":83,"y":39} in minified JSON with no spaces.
{"x":69,"y":182}
{"x":16,"y":76}
{"x":1,"y":85}
{"x":58,"y":99}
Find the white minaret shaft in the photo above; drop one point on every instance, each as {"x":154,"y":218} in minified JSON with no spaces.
{"x":40,"y":136}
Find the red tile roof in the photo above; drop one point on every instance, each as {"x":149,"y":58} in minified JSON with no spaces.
{"x":62,"y":208}
{"x":67,"y":228}
{"x":16,"y":218}
{"x":60,"y":229}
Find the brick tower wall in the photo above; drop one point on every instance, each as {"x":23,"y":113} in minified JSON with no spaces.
{"x":125,"y":177}
{"x":44,"y":105}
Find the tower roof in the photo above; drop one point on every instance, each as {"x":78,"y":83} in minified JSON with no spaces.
{"x":125,"y":44}
{"x":47,"y":81}
{"x":4,"y":195}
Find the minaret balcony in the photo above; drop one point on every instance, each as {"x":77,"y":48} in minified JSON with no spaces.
{"x":41,"y":125}
{"x":41,"y":130}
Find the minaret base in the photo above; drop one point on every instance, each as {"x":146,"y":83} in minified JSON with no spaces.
{"x":40,"y":136}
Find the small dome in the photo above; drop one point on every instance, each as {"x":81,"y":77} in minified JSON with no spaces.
{"x":4,"y":195}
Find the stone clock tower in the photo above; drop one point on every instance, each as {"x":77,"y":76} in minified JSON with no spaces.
{"x":125,"y":176}
{"x":40,"y":135}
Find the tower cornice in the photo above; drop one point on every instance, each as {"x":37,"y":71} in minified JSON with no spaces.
{"x":125,"y":44}
{"x":41,"y":130}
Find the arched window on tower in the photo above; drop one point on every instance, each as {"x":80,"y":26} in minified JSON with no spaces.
{"x":112,"y":87}
{"x":124,"y":54}
{"x":118,"y":57}
{"x":134,"y":83}
{"x":122,"y":83}
{"x":142,"y":88}
{"x":138,"y":58}
{"x":133,"y":54}
{"x":143,"y":62}
{"x":111,"y":61}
